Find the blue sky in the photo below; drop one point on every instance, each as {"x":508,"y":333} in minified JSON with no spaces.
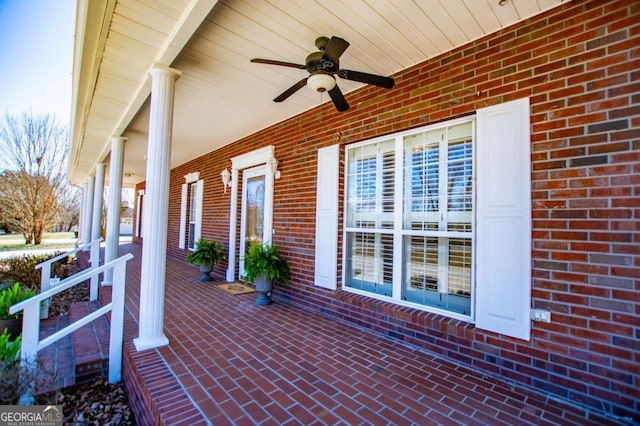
{"x":36,"y":56}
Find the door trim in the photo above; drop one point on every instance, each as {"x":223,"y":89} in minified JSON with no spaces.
{"x":263,"y":156}
{"x":247,"y":174}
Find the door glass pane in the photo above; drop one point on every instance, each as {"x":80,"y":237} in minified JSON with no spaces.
{"x":254,"y":210}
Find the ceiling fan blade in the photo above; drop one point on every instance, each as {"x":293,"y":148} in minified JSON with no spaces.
{"x":291,"y":90}
{"x":334,"y":49}
{"x":338,"y":99}
{"x":363,"y":77}
{"x":281,"y":63}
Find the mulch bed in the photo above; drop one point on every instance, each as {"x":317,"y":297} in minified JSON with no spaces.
{"x":96,"y":403}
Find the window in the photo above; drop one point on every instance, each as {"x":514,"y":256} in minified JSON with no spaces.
{"x":409,"y":217}
{"x":191,"y":211}
{"x":191,"y":232}
{"x":439,"y":218}
{"x":370,"y":217}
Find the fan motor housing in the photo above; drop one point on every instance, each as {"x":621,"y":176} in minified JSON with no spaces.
{"x":315,"y":62}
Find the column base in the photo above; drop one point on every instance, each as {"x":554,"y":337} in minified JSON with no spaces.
{"x":106,"y":283}
{"x":143,"y":345}
{"x":229,"y":276}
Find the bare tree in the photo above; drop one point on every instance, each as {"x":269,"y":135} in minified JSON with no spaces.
{"x":34,"y":148}
{"x":69,"y":202}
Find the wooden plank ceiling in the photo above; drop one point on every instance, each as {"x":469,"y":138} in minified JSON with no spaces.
{"x":221,"y":96}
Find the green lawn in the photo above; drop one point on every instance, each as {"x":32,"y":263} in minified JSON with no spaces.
{"x":50,"y":240}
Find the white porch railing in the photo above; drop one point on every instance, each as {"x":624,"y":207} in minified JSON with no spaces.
{"x":31,"y":342}
{"x":94,"y":260}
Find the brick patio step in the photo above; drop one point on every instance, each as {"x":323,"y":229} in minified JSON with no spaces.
{"x":90,"y":344}
{"x":56,"y":360}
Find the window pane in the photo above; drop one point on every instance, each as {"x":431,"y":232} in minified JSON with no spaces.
{"x":191,"y":236}
{"x":438,"y":272}
{"x":459,"y":273}
{"x":370,"y":262}
{"x":421,"y":180}
{"x":370,"y":189}
{"x":388,"y":190}
{"x":459,"y":178}
{"x":192,"y":203}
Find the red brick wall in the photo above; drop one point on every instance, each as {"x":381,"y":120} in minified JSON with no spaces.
{"x":580,"y":66}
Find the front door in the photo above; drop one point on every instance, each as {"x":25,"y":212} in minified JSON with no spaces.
{"x":252,"y":225}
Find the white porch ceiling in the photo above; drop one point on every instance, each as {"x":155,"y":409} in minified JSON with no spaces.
{"x":221,"y":96}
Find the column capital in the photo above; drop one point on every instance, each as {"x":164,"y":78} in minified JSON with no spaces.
{"x":99,"y":168}
{"x":118,"y":138}
{"x":160,"y":69}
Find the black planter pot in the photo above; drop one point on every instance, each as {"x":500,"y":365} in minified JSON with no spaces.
{"x":13,"y":326}
{"x":206,"y":270}
{"x":263,"y":288}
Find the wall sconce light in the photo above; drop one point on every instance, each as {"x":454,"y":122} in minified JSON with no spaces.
{"x":273,"y":167}
{"x":226,"y":178}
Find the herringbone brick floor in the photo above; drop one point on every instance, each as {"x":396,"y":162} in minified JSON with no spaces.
{"x":230,"y":362}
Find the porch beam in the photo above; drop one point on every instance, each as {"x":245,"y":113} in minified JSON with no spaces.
{"x":156,"y":211}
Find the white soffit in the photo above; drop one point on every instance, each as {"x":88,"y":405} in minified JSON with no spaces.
{"x":221,"y":96}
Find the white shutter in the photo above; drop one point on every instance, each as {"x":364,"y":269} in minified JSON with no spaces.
{"x":327,"y":218}
{"x":199,"y":196}
{"x":183,"y":216}
{"x":503,"y":259}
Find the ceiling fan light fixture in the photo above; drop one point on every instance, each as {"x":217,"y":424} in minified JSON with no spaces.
{"x":321,"y":82}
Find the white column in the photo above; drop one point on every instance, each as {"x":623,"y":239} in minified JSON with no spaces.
{"x":113,"y":205}
{"x":155,"y":213}
{"x":83,"y":207}
{"x":88,"y":209}
{"x":98,"y":192}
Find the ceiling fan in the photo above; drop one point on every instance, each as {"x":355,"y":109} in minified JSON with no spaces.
{"x":323,"y":66}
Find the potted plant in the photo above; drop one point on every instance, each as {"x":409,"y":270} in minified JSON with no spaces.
{"x":264,"y":266}
{"x":206,"y":254}
{"x":9,"y":297}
